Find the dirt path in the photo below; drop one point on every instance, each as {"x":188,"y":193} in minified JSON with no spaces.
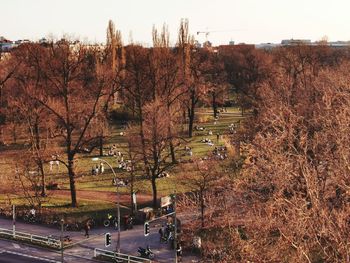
{"x":103,"y":196}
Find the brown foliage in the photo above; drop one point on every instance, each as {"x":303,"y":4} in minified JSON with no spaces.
{"x":66,"y":88}
{"x":297,"y":185}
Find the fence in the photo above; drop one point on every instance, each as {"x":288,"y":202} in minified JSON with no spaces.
{"x":120,"y":256}
{"x":44,"y":240}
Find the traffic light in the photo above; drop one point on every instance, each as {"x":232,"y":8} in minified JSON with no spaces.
{"x":146,"y":229}
{"x":108,"y":239}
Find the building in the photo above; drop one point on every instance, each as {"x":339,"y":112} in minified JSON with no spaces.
{"x":267,"y":46}
{"x":339,"y":44}
{"x":295,"y":42}
{"x":5,"y":44}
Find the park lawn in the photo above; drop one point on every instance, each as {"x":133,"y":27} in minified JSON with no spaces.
{"x":59,"y":204}
{"x":58,"y":207}
{"x":84,"y":164}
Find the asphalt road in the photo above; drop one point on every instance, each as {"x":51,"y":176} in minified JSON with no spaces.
{"x":6,"y":257}
{"x":11,"y":251}
{"x":130,"y":240}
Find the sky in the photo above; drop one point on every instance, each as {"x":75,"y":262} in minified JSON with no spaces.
{"x":241,"y":21}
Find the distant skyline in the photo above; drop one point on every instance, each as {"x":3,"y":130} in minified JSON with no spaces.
{"x":248,"y":21}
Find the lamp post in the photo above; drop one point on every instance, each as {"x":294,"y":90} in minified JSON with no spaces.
{"x":118,"y":198}
{"x":175,"y":227}
{"x":14,"y":221}
{"x":61,"y":238}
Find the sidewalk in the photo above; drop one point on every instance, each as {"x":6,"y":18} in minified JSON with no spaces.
{"x":130,"y":240}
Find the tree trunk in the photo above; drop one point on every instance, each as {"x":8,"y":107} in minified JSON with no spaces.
{"x":214,"y":104}
{"x":191,"y":112}
{"x":39,"y":158}
{"x":171,"y":145}
{"x":71,"y":175}
{"x":172,"y":152}
{"x":143,"y":140}
{"x":202,"y":209}
{"x":190,"y":123}
{"x":154,"y":191}
{"x":43,"y":183}
{"x":101,"y":145}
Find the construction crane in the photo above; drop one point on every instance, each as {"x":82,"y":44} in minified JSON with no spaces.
{"x":206,"y":33}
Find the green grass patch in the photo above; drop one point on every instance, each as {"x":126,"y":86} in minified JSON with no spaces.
{"x":84,"y":164}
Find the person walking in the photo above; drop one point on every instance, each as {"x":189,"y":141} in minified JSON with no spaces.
{"x":87,"y":228}
{"x":179,"y":252}
{"x":161,"y":235}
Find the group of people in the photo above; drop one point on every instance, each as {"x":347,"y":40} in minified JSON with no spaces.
{"x":124,"y":165}
{"x":232,"y":127}
{"x":166,"y":233}
{"x":163,"y":174}
{"x":188,"y":150}
{"x":207,"y":141}
{"x":98,"y":169}
{"x":199,"y":128}
{"x":120,"y":182}
{"x":220,"y":152}
{"x":114,"y":152}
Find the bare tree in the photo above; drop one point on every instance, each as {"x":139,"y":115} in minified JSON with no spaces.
{"x":7,"y":68}
{"x":166,"y":83}
{"x":156,"y":139}
{"x":201,"y":177}
{"x":296,"y":184}
{"x":74,"y":86}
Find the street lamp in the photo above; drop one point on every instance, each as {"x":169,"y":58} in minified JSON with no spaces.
{"x":61,"y":238}
{"x":175,"y":227}
{"x":118,"y":198}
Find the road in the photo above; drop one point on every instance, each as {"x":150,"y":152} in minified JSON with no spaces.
{"x":130,"y":240}
{"x":10,"y":257}
{"x":11,"y":251}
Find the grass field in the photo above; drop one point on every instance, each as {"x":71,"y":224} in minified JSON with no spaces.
{"x":102,"y":183}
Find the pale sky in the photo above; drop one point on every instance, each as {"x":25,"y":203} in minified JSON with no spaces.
{"x":249,"y":21}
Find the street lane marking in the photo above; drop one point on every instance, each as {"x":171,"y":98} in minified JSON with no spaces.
{"x":30,"y":256}
{"x":16,"y":245}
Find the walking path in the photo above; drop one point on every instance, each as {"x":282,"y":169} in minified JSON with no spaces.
{"x":103,"y":196}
